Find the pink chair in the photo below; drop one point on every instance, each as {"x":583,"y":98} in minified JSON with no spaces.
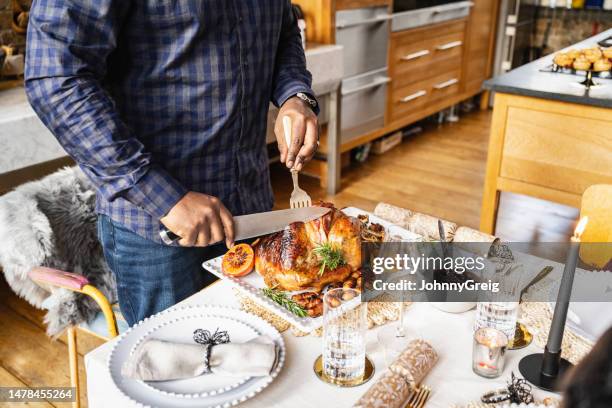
{"x":51,"y":279}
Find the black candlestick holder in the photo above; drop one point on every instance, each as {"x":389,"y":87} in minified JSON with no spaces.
{"x":544,"y":369}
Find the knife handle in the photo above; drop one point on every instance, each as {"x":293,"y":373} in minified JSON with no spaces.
{"x":168,"y":237}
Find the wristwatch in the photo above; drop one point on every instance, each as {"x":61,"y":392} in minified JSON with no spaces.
{"x":310,"y":101}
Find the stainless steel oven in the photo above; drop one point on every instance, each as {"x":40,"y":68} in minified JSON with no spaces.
{"x":415,"y":13}
{"x":364,"y":34}
{"x":363,"y":103}
{"x":407,"y":5}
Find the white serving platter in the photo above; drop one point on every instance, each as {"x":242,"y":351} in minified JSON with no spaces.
{"x":177,"y":324}
{"x":252,"y":284}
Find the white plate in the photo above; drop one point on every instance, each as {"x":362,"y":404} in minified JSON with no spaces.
{"x":181,"y":330}
{"x":138,"y":394}
{"x":253,"y":283}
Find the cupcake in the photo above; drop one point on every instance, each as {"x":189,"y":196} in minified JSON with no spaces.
{"x":573,"y":53}
{"x":592,"y":54}
{"x":602,"y":65}
{"x":582,"y":64}
{"x":563,"y":60}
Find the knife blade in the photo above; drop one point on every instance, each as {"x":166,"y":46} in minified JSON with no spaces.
{"x":255,"y":225}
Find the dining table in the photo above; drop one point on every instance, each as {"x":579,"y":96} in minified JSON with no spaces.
{"x":452,"y":380}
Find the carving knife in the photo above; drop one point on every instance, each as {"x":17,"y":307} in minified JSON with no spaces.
{"x":255,"y":225}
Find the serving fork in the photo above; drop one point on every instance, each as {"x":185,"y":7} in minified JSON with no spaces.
{"x":419,"y":397}
{"x":299,"y":198}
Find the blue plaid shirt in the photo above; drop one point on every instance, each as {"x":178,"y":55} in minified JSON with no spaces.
{"x":154,"y":98}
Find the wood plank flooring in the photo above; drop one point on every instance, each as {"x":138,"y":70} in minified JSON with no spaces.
{"x":438,"y":172}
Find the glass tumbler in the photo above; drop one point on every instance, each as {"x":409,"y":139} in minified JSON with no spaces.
{"x":344,"y":336}
{"x":489,"y":353}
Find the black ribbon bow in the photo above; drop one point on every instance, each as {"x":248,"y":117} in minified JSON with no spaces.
{"x":208,"y":340}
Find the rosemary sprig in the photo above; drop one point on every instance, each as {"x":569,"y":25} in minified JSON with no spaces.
{"x":330,"y":257}
{"x":285,"y":301}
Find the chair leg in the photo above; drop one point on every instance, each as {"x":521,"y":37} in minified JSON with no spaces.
{"x":73,"y":359}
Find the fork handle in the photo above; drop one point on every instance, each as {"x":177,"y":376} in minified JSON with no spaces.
{"x":287,"y":131}
{"x":294,"y":177}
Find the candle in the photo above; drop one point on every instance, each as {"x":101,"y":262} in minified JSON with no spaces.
{"x":489,"y":352}
{"x":557,"y":327}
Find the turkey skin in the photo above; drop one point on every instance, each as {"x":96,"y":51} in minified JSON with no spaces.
{"x":287,"y":261}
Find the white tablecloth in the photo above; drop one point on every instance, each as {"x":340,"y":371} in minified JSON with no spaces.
{"x":452,"y":379}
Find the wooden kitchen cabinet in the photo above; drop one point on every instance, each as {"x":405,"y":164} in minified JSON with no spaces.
{"x":425,"y":52}
{"x":431,"y":67}
{"x":480,"y":43}
{"x":425,"y":68}
{"x":414,"y":98}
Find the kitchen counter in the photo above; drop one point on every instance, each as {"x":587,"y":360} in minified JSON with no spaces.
{"x":529,"y":80}
{"x":550,"y":136}
{"x":24,"y":140}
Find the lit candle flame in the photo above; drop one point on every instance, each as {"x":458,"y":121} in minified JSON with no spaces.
{"x":581,"y":226}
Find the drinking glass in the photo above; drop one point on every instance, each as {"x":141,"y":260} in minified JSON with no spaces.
{"x":344,"y":337}
{"x":500,"y":315}
{"x":393,"y":337}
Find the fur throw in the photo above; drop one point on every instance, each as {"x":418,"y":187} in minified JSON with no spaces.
{"x":52,"y":222}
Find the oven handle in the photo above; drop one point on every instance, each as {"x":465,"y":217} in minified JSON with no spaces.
{"x":374,"y":84}
{"x":368,"y":21}
{"x":452,"y":6}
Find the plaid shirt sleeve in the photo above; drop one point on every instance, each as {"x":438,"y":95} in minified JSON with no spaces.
{"x":68,"y":43}
{"x":290,"y":73}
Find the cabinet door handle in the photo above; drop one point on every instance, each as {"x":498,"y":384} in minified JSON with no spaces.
{"x":446,"y":84}
{"x":412,"y":97}
{"x":415,"y":55}
{"x":449,"y":45}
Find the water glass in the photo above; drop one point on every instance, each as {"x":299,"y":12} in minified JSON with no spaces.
{"x":344,"y":337}
{"x":498,"y":315}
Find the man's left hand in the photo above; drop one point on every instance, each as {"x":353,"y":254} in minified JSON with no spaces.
{"x":304,"y":135}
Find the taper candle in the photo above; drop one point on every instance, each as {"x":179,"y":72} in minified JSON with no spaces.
{"x":557,"y":327}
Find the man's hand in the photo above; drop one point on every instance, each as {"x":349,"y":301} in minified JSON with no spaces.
{"x":200,"y":220}
{"x":304,"y":135}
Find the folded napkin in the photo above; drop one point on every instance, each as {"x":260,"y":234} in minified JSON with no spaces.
{"x":404,"y":374}
{"x":158,"y":360}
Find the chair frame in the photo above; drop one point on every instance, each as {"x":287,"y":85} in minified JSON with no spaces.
{"x":50,"y":278}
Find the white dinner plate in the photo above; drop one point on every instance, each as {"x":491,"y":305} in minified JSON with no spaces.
{"x":181,"y":330}
{"x":252,"y":284}
{"x":245,"y":326}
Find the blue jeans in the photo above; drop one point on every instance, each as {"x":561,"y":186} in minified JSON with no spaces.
{"x":151,"y":277}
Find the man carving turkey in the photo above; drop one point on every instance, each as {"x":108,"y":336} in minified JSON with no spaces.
{"x":163,"y":105}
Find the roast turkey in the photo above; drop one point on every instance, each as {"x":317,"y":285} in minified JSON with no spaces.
{"x":287,"y":261}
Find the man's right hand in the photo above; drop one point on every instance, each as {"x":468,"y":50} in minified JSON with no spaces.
{"x":200,"y":220}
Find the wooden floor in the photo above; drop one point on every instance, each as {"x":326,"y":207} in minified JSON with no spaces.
{"x":438,"y":172}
